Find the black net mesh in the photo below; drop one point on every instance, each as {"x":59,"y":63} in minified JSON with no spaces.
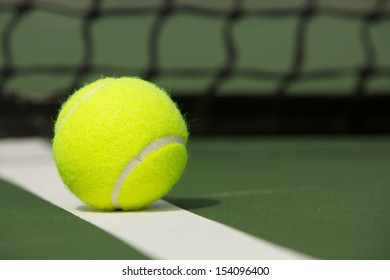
{"x":210,"y":107}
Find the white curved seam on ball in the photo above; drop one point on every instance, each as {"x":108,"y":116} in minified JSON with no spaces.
{"x":137,"y":160}
{"x":82,"y":99}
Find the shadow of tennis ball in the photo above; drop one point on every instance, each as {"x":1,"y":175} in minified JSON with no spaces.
{"x":190,"y":203}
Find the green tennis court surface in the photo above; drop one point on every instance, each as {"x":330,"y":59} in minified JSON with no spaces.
{"x":235,"y":68}
{"x":327,"y":198}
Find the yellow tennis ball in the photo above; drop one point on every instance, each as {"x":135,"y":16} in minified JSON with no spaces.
{"x":119,"y":143}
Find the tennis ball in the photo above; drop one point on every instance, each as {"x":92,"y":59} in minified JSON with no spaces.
{"x":119,"y":143}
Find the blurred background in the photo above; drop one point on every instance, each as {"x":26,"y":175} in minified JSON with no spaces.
{"x":316,"y":68}
{"x":234,"y":67}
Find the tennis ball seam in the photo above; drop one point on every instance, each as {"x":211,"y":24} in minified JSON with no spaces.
{"x":88,"y":95}
{"x":137,"y":160}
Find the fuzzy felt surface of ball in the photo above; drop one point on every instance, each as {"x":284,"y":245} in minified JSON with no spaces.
{"x":120,"y":143}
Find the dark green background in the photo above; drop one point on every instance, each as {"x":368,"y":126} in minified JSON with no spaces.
{"x":53,"y":37}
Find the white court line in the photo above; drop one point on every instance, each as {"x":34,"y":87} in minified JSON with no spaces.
{"x":261,"y":191}
{"x":163,"y":231}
